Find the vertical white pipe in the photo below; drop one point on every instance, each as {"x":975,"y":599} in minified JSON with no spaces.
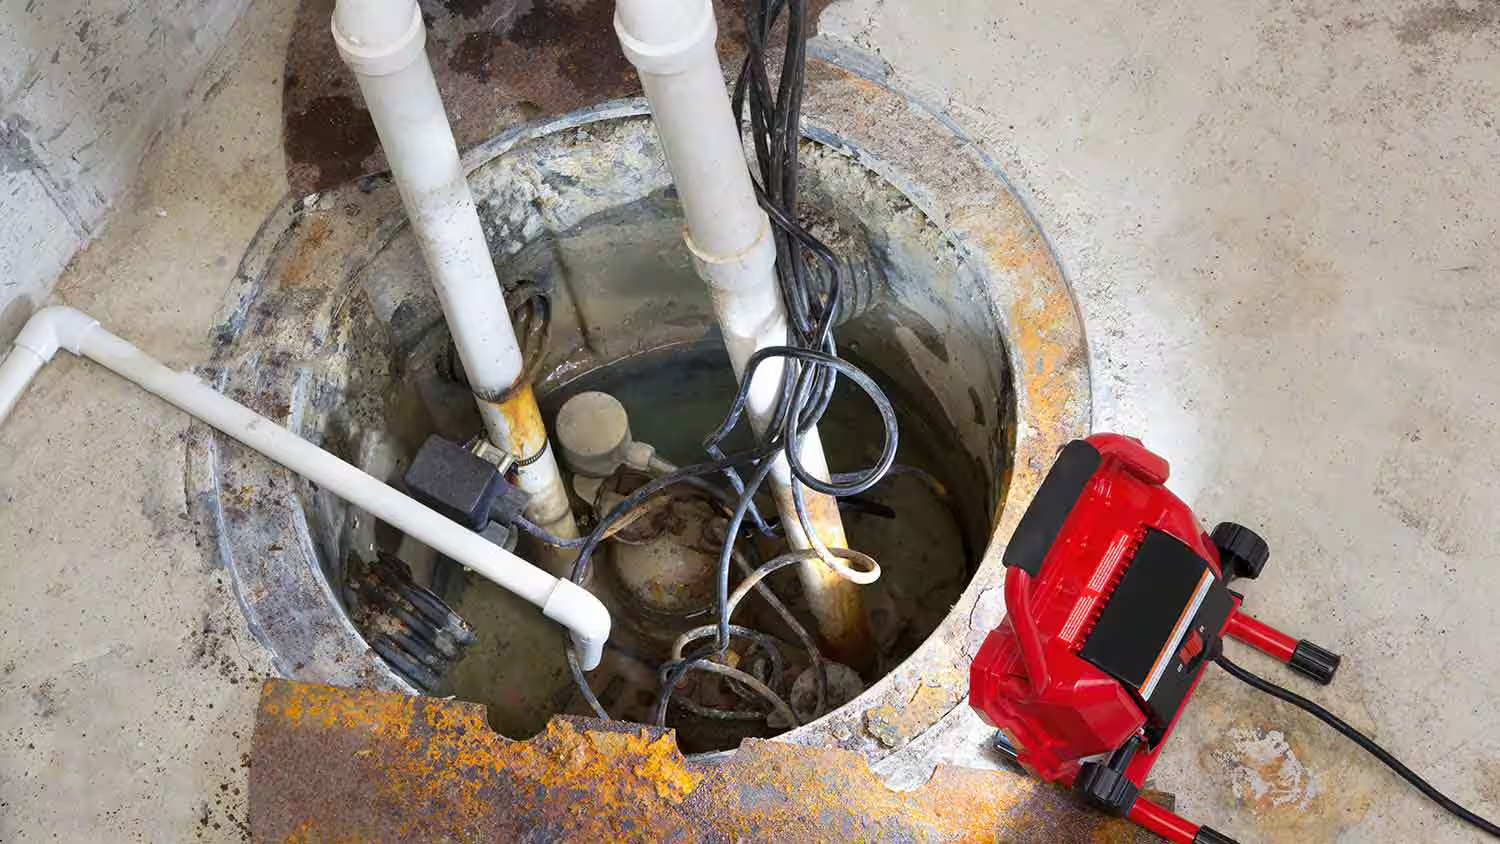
{"x":671,"y":44}
{"x":382,"y":41}
{"x":20,"y":366}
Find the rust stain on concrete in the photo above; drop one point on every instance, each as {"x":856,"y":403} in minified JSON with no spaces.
{"x":305,"y":260}
{"x":894,"y":724}
{"x":1297,"y":779}
{"x":497,"y":63}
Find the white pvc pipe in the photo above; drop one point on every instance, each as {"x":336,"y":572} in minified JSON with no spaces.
{"x":382,"y":42}
{"x":57,"y":327}
{"x":671,"y":44}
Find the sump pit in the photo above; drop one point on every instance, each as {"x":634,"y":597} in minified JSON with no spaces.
{"x":923,"y":539}
{"x":353,"y":356}
{"x":631,"y":318}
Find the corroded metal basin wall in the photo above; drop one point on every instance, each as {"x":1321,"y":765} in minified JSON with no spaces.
{"x":332,"y":297}
{"x":351,"y":765}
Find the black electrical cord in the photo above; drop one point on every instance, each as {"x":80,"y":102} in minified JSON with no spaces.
{"x":530,"y":308}
{"x":811,"y":280}
{"x":847,"y":483}
{"x":1313,"y":709}
{"x":673,"y":671}
{"x":809,"y":644}
{"x":620,"y":511}
{"x":583,"y":683}
{"x":623,"y":509}
{"x":535,"y":530}
{"x":775,"y":128}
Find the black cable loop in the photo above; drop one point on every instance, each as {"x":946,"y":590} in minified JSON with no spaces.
{"x":812,"y":282}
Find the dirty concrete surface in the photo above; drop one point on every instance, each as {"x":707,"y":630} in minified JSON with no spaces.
{"x":127,"y":681}
{"x":86,"y":89}
{"x":497,"y":62}
{"x":1279,"y":221}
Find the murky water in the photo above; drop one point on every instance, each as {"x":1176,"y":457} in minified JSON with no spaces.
{"x":674,"y":397}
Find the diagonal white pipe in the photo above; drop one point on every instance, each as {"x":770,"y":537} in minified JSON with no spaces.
{"x":56,"y":328}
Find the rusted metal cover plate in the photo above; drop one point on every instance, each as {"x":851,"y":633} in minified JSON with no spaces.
{"x":333,"y":764}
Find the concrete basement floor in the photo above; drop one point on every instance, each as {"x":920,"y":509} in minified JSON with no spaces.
{"x":1280,"y":222}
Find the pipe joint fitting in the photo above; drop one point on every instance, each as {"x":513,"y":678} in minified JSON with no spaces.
{"x":676,"y":56}
{"x":746,"y":269}
{"x":382,"y":59}
{"x":586,"y":618}
{"x":55,"y":327}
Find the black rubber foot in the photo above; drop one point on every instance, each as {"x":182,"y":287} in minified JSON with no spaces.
{"x":1007,"y":752}
{"x":1311,"y":661}
{"x":1209,"y":835}
{"x":1108,"y":789}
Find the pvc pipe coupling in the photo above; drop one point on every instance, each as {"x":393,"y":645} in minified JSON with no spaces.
{"x":666,"y":37}
{"x":743,"y":271}
{"x":378,"y":37}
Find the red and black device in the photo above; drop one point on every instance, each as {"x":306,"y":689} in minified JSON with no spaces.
{"x":1116,"y":600}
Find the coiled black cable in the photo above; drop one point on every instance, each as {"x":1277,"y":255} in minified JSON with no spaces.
{"x":811,"y":280}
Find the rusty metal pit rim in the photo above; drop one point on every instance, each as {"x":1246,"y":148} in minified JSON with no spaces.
{"x":254,"y":520}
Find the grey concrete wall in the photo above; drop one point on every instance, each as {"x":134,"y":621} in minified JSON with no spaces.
{"x":86,"y":88}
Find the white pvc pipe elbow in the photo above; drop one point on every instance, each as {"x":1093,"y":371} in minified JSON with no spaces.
{"x":55,"y":328}
{"x":47,"y":331}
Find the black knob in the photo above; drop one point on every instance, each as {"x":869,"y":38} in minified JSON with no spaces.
{"x":1105,"y":787}
{"x":1104,"y":783}
{"x":1314,"y":662}
{"x":1241,"y":550}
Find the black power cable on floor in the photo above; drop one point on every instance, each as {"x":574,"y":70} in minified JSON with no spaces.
{"x":1264,"y":685}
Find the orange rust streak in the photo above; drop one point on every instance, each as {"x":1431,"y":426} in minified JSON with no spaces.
{"x":1046,"y":331}
{"x":306,"y":258}
{"x":523,"y":419}
{"x":349,"y":764}
{"x":834,"y":601}
{"x":895,"y":724}
{"x":823,"y":512}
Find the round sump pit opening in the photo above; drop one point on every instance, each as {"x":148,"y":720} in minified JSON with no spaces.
{"x":957,"y":309}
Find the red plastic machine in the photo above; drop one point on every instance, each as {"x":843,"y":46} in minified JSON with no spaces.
{"x":1116,"y":600}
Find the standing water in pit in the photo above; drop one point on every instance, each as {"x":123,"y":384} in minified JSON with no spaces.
{"x":926,"y":339}
{"x":657,"y":574}
{"x":776,"y":293}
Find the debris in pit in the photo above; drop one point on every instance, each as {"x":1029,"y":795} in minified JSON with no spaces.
{"x":408,"y":626}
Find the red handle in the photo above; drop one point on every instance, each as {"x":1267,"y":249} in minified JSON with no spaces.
{"x":1151,"y":467}
{"x":1018,"y":611}
{"x":1261,"y":636}
{"x":1168,"y":825}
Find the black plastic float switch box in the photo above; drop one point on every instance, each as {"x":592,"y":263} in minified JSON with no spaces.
{"x":462,"y":485}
